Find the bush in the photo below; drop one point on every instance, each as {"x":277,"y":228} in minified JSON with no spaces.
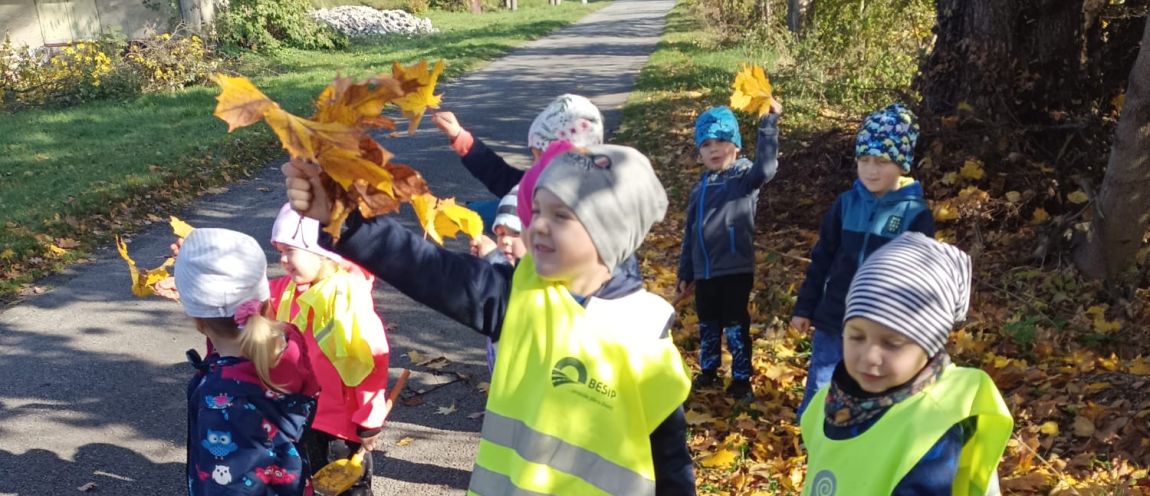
{"x":76,"y":73}
{"x":270,"y":24}
{"x":169,"y":62}
{"x":417,"y":6}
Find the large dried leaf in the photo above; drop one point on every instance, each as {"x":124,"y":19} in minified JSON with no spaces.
{"x":751,"y":91}
{"x":240,"y":103}
{"x":418,"y":85}
{"x":444,"y":217}
{"x":347,"y":102}
{"x":143,"y":280}
{"x":302,"y":137}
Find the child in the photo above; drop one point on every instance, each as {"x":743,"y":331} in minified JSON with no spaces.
{"x":718,"y":253}
{"x":347,"y":341}
{"x":586,"y":397}
{"x":252,"y":397}
{"x":881,"y":205}
{"x":898,"y":417}
{"x":508,"y":245}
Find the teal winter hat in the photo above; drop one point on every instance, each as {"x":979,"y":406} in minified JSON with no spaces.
{"x":717,"y":123}
{"x":889,"y":133}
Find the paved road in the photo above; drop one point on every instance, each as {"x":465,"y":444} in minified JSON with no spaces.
{"x":92,"y":379}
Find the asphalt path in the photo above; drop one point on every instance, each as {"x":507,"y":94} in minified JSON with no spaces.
{"x":92,"y":379}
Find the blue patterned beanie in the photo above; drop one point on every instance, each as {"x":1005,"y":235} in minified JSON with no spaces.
{"x":888,"y":133}
{"x":717,"y":123}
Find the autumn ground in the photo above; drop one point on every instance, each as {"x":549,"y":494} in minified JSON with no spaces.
{"x":1062,"y":350}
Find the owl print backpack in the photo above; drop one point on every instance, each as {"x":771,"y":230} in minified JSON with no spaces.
{"x":243,"y":438}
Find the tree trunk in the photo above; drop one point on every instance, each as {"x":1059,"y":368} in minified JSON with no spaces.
{"x":798,"y":15}
{"x":1011,"y":61}
{"x":511,"y":5}
{"x":1123,"y":204}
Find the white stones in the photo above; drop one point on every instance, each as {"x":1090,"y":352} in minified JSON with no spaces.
{"x":361,"y":20}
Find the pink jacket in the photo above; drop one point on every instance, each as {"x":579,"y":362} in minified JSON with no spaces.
{"x":345,"y":411}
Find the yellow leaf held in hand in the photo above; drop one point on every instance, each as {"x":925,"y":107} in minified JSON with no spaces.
{"x":180,"y":228}
{"x":721,"y":458}
{"x":418,"y":85}
{"x":240,"y":102}
{"x":441,"y":218}
{"x":751,"y":91}
{"x":143,"y":281}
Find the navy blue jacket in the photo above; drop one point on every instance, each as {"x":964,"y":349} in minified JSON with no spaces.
{"x":490,"y":169}
{"x":719,"y":236}
{"x":854,"y":227}
{"x":244,"y":438}
{"x":935,"y":472}
{"x":475,"y":293}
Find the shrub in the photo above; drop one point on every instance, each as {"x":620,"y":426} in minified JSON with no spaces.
{"x":270,"y":24}
{"x":416,"y":6}
{"x":169,"y":62}
{"x":76,"y":73}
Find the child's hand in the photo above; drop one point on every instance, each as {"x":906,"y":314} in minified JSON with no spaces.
{"x":305,"y":190}
{"x":683,"y":291}
{"x":447,"y":124}
{"x":801,"y":324}
{"x":776,"y":107}
{"x":482,"y":245}
{"x":371,"y":442}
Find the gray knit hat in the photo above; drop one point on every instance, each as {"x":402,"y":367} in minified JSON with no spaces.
{"x":916,"y":286}
{"x":219,"y":269}
{"x":614,"y":192}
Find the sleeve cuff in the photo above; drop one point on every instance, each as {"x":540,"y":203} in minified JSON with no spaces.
{"x":463,"y":142}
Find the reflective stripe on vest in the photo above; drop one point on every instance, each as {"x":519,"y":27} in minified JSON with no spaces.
{"x":905,"y":433}
{"x":335,"y":312}
{"x":576,"y":393}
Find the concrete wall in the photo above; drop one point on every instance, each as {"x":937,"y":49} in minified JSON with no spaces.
{"x":48,"y":22}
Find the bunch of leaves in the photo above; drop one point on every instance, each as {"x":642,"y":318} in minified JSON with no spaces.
{"x":751,"y":91}
{"x":357,"y":170}
{"x":269,"y":24}
{"x":157,"y":281}
{"x":170,"y":61}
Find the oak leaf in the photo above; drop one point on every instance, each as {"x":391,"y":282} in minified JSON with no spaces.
{"x":751,"y":91}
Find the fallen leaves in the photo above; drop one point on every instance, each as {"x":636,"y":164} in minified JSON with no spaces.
{"x":157,"y":281}
{"x":446,"y":410}
{"x":357,"y":171}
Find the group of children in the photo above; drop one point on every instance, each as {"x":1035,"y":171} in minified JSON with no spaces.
{"x":587,"y":387}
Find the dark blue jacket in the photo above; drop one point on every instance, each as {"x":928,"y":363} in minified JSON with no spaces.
{"x":719,"y":236}
{"x":855,"y":226}
{"x":490,"y":169}
{"x":475,"y":293}
{"x":243,"y":439}
{"x":933,"y":474}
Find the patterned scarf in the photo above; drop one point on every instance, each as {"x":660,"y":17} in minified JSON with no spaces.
{"x":848,"y":405}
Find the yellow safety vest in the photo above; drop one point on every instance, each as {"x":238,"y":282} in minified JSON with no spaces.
{"x":874,"y":462}
{"x":576,"y":393}
{"x":334,"y":310}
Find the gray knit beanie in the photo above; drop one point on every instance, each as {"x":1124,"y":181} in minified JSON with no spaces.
{"x":916,"y":286}
{"x":614,"y":192}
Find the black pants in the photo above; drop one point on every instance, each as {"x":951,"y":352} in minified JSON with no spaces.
{"x":721,"y":303}
{"x":323,"y":448}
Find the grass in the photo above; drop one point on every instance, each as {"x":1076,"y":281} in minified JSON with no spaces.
{"x":71,"y":177}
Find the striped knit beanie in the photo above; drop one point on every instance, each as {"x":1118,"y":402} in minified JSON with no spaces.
{"x":915,"y":286}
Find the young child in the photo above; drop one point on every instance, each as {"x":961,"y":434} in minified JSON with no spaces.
{"x":881,"y":205}
{"x":717,"y":260}
{"x":330,"y":300}
{"x":251,"y":398}
{"x":587,"y":393}
{"x":508,"y":245}
{"x":898,"y":417}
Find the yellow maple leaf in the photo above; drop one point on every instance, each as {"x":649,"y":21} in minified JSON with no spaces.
{"x":1078,"y":197}
{"x":346,"y":102}
{"x":143,"y":280}
{"x":721,"y":458}
{"x":56,"y":250}
{"x":1040,"y":216}
{"x":7,"y":253}
{"x":418,"y":85}
{"x":751,"y":91}
{"x":972,"y":169}
{"x":1050,"y":428}
{"x":180,"y":228}
{"x":944,"y":212}
{"x":1140,"y":366}
{"x":240,"y":103}
{"x":444,"y":217}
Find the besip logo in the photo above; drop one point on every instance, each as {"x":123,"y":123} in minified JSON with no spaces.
{"x":560,"y":377}
{"x":824,"y":484}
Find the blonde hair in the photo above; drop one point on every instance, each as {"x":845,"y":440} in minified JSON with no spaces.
{"x":261,"y":340}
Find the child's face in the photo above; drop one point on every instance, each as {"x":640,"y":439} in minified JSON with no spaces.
{"x":561,"y":246}
{"x":718,"y":154}
{"x":878,"y":174}
{"x":304,"y":267}
{"x":509,"y":243}
{"x":878,"y":358}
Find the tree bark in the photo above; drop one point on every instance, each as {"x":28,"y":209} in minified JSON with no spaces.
{"x":1123,"y":204}
{"x":799,"y":13}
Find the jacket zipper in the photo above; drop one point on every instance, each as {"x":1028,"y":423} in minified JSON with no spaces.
{"x":699,"y":224}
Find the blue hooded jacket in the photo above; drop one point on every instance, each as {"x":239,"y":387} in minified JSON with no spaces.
{"x":854,"y":227}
